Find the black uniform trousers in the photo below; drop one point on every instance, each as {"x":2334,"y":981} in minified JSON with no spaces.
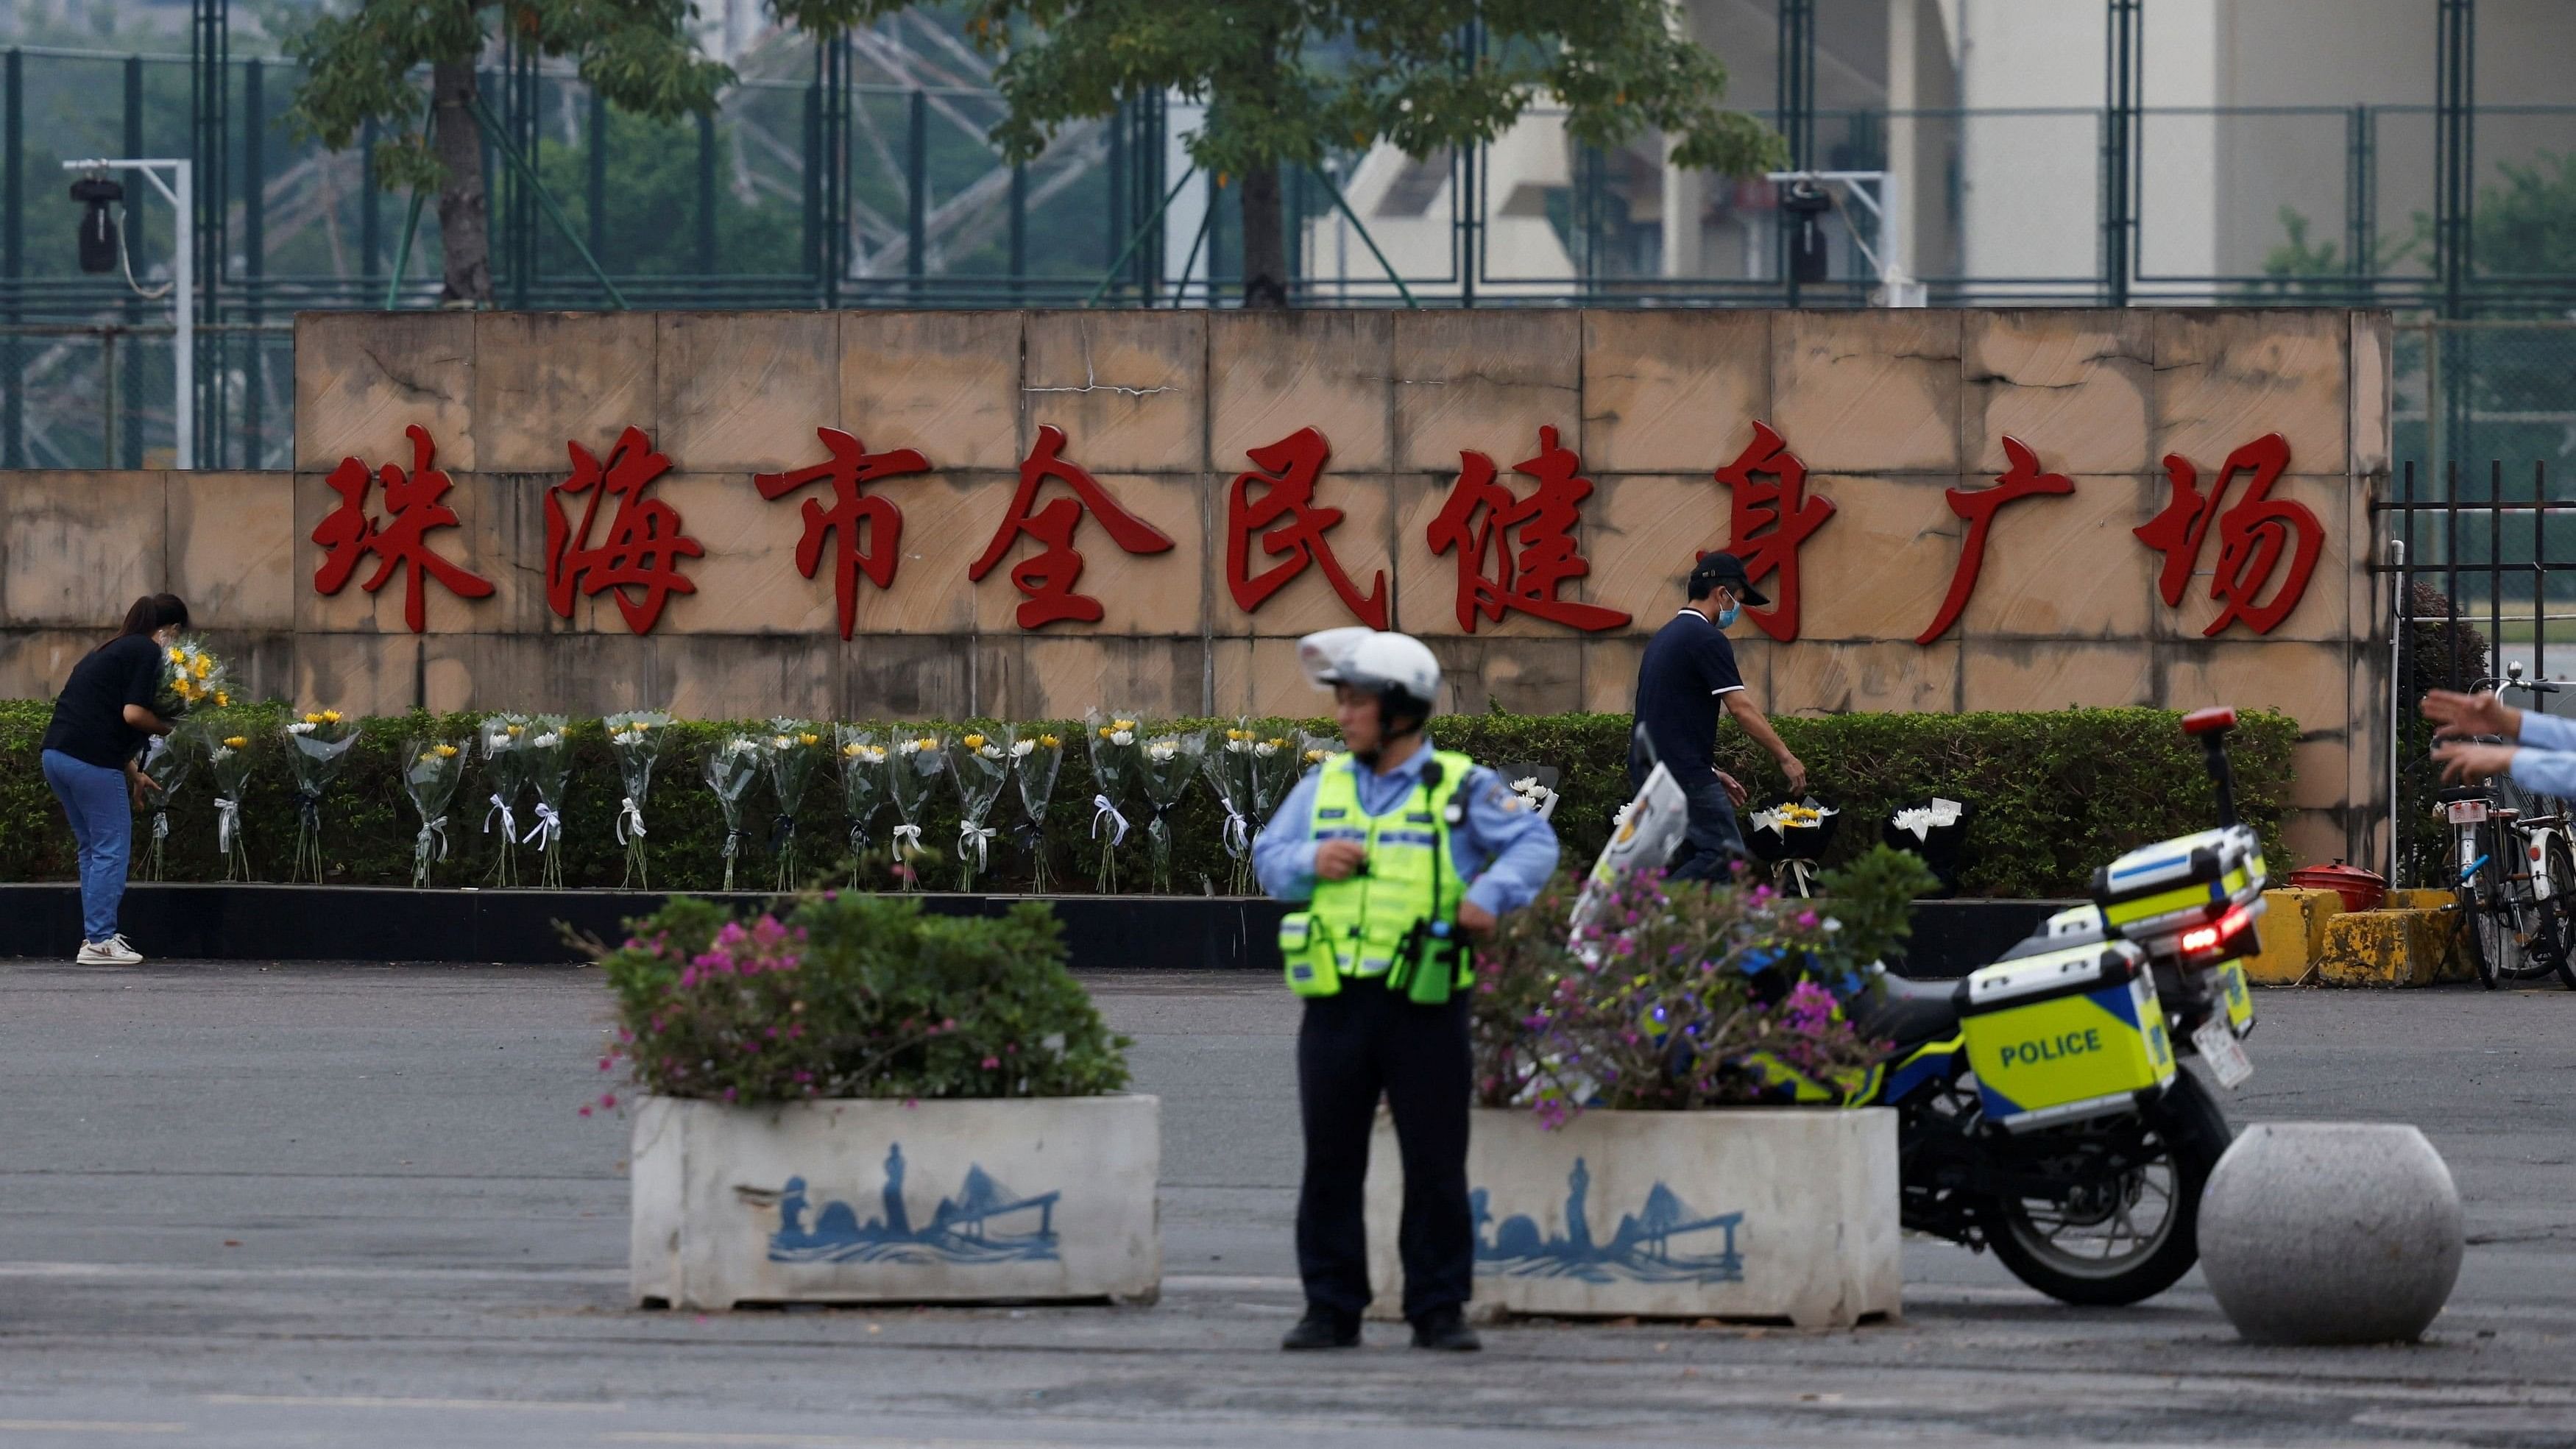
{"x":1361,"y":1042}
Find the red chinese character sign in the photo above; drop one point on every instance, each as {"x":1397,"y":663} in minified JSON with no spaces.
{"x":1514,"y":553}
{"x":1768,"y":517}
{"x":350,"y":534}
{"x":638,"y":564}
{"x":2023,"y":479}
{"x":1290,"y":526}
{"x":1046,"y":577}
{"x":2254,"y":537}
{"x":864,"y":529}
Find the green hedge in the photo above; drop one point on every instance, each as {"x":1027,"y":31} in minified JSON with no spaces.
{"x":2055,"y":794}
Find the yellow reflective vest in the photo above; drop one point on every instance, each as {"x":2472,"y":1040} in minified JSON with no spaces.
{"x":1398,"y":916}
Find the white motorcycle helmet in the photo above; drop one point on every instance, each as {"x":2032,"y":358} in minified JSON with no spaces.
{"x":1398,"y":668}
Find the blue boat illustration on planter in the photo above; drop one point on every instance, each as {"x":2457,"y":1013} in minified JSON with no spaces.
{"x":985,"y":1222}
{"x":1642,"y":1250}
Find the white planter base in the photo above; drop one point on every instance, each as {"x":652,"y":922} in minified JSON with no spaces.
{"x":877,"y":1202}
{"x":1739,"y":1213}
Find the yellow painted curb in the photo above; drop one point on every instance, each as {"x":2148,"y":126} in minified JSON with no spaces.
{"x":2293,"y":932}
{"x":2389,"y":948}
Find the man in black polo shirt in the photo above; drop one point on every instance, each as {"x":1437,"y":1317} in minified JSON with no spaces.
{"x":1687,"y":676}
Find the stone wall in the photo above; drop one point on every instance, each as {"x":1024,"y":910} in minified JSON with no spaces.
{"x":1887,"y":410}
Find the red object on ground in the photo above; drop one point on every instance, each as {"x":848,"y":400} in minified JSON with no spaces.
{"x":2361,"y":890}
{"x":2202,"y":721}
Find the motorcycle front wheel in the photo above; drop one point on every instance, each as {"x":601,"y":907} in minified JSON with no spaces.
{"x":2125,"y":1237}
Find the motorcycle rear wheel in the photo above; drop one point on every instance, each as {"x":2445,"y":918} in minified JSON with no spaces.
{"x":2038,"y":1241}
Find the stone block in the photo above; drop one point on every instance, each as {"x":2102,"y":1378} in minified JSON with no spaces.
{"x":1151,"y":593}
{"x":2305,"y":680}
{"x":2324,"y":610}
{"x":1879,"y":567}
{"x":1642,"y":532}
{"x":1811,"y":677}
{"x":1868,"y":392}
{"x":2373,"y":391}
{"x":37,"y":663}
{"x":1427,"y":584}
{"x":358,"y":674}
{"x":1610,"y":671}
{"x":499,"y":537}
{"x":2386,"y":948}
{"x":946,"y":383}
{"x":2331,"y":1233}
{"x":1271,"y":373}
{"x":1261,"y":678}
{"x":77,"y":549}
{"x":1060,"y":676}
{"x":2293,"y":931}
{"x":546,"y":379}
{"x":1486,"y":381}
{"x":361,"y":378}
{"x":1363,"y":543}
{"x":2066,"y":567}
{"x":1518,"y":676}
{"x":232,"y":548}
{"x":1128,"y":388}
{"x":2225,"y":377}
{"x":1664,"y":392}
{"x":2029,"y":674}
{"x":2310,"y":837}
{"x":744,"y":391}
{"x":921,"y":676}
{"x":748,"y":581}
{"x":2071,"y":383}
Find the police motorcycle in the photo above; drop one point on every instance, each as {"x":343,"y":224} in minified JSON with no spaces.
{"x":2042,"y":1110}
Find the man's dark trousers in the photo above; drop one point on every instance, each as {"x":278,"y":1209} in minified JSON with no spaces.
{"x":1354,"y":1045}
{"x":1713,"y":841}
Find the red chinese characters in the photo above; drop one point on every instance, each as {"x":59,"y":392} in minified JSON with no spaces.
{"x":1514,"y":552}
{"x":639,"y":563}
{"x":1291,"y":527}
{"x":1768,"y":520}
{"x":349,"y":534}
{"x":2022,"y":479}
{"x":2253,"y":537}
{"x":1046,"y":577}
{"x":865,"y":530}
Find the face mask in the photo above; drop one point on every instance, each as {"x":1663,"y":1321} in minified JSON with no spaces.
{"x":1726,"y":616}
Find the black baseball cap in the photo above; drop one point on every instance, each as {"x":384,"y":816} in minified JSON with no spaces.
{"x":1723,"y":570}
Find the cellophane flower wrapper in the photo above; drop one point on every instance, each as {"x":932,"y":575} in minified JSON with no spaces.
{"x":979,"y":764}
{"x":635,"y":742}
{"x":1275,"y":768}
{"x":229,"y":758}
{"x":317,"y":746}
{"x":167,"y":764}
{"x":547,"y":752}
{"x":193,"y":677}
{"x":1170,"y":762}
{"x":915,"y":759}
{"x":791,"y":754}
{"x":863,"y":757}
{"x":1117,"y":763}
{"x":1312,"y":750}
{"x":501,"y":743}
{"x":730,"y":769}
{"x":1233,"y":773}
{"x":432,"y":770}
{"x":1037,"y":758}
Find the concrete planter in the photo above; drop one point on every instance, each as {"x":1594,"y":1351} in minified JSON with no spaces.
{"x":878,"y":1202}
{"x":1741,"y":1213}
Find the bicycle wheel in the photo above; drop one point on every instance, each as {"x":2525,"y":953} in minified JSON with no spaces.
{"x":2518,"y":910}
{"x":2561,"y":862}
{"x":2484,"y":931}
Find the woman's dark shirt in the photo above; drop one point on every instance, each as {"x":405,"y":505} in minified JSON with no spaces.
{"x":89,"y":716}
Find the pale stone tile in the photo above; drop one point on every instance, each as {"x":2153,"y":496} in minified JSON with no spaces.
{"x":357,"y":673}
{"x":1665,"y":391}
{"x":1868,"y":392}
{"x":1532,"y":676}
{"x":1645,"y":531}
{"x":2313,"y":837}
{"x":499,"y":537}
{"x":1362,"y":542}
{"x":1610,"y":670}
{"x":2017,"y":674}
{"x":2225,"y":378}
{"x":2373,"y":389}
{"x":545,"y":379}
{"x":946,"y":383}
{"x":1811,"y":677}
{"x":362,"y":377}
{"x":35,"y":663}
{"x":744,"y":391}
{"x":1485,"y":381}
{"x":78,"y":548}
{"x":1879,"y":567}
{"x":1271,"y":373}
{"x":2066,"y":566}
{"x":1261,"y":678}
{"x":1128,"y":388}
{"x":2072,"y":384}
{"x":2308,"y":681}
{"x":1151,"y":679}
{"x":920,"y":676}
{"x":2324,"y":610}
{"x":2317,"y":778}
{"x":1142,"y":594}
{"x":1427,"y":584}
{"x":748,"y":581}
{"x":231,"y":548}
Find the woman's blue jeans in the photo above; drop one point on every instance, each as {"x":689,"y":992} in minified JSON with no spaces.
{"x":102,"y":819}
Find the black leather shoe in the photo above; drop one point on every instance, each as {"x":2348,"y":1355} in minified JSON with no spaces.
{"x":1446,"y":1329}
{"x":1323,"y":1328}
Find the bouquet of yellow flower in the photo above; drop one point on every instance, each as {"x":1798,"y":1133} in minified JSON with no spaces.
{"x":916,"y":759}
{"x":505,"y":772}
{"x":1116,"y":763}
{"x":1038,"y":756}
{"x":548,"y":758}
{"x":167,"y":763}
{"x":791,"y":753}
{"x":979,"y":764}
{"x":1792,"y":834}
{"x":433,"y":769}
{"x":1232,"y":771}
{"x":317,"y":745}
{"x":635,"y":739}
{"x":191,"y":678}
{"x":863,"y":786}
{"x":230,"y":758}
{"x":729,"y":770}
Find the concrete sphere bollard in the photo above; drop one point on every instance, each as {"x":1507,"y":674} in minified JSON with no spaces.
{"x":2330,"y":1232}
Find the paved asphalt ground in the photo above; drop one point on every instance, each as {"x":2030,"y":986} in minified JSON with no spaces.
{"x":354,"y":1206}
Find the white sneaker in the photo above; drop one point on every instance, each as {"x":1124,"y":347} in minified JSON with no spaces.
{"x":111,"y":952}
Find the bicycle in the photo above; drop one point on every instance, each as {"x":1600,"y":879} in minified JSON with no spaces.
{"x":2517,"y":880}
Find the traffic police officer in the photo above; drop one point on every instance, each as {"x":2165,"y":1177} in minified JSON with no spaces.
{"x":1401,"y":851}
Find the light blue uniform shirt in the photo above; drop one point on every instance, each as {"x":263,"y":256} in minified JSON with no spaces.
{"x":2546,"y":763}
{"x":1502,"y":849}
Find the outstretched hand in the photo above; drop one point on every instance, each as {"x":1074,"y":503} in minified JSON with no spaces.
{"x":2460,"y":714}
{"x":2469,"y":764}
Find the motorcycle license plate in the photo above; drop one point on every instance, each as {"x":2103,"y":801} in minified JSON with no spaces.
{"x":2224,"y":1053}
{"x":2466,"y":812}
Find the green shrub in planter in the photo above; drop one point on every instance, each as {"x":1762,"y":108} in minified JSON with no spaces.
{"x":856,"y":996}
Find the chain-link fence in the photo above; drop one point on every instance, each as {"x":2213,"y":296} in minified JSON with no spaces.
{"x":103,"y":395}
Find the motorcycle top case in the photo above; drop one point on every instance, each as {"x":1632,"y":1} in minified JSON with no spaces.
{"x":2072,"y":1033}
{"x":2153,"y":894}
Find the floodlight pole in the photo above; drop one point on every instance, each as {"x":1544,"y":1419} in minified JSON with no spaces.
{"x":1896,"y":267}
{"x":181,"y":192}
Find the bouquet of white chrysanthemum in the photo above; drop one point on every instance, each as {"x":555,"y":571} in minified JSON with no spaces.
{"x":1038,"y":757}
{"x":167,"y":763}
{"x":230,"y":758}
{"x":791,"y":753}
{"x":317,"y":745}
{"x":1170,"y":762}
{"x":504,"y":740}
{"x":192,"y":678}
{"x":863,"y":787}
{"x":436,"y":767}
{"x":1117,"y":762}
{"x":1275,"y":768}
{"x":980,"y":765}
{"x":635,"y":740}
{"x":1233,"y":772}
{"x":731,"y":769}
{"x":916,"y":759}
{"x":1312,"y":750}
{"x":548,"y":756}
